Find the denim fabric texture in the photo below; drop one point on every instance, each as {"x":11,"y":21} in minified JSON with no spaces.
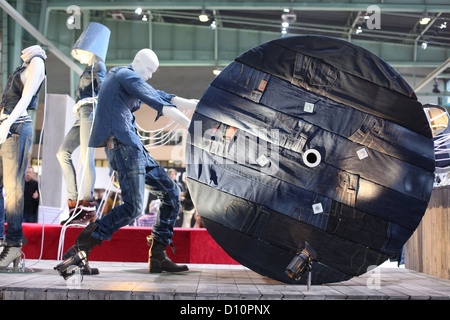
{"x":91,"y":79}
{"x":78,"y":136}
{"x":13,"y":165}
{"x":122,"y":94}
{"x":288,"y":101}
{"x":2,"y":214}
{"x":114,"y":127}
{"x":89,"y":86}
{"x":138,"y":170}
{"x":345,"y":73}
{"x":13,"y":91}
{"x":298,"y":135}
{"x":361,"y":195}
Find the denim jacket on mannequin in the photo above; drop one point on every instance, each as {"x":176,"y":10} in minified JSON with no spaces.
{"x":95,"y":74}
{"x":13,"y":91}
{"x":122,"y":94}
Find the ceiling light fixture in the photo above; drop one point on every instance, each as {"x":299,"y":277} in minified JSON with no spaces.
{"x":424,"y":20}
{"x":203,"y":17}
{"x":424,"y":45}
{"x":138,"y":11}
{"x":287,"y":19}
{"x":358,"y":30}
{"x":144,"y":18}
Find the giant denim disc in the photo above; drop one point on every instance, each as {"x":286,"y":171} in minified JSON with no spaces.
{"x":310,"y":149}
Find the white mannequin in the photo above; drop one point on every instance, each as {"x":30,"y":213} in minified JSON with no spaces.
{"x":31,"y":79}
{"x":145,"y":63}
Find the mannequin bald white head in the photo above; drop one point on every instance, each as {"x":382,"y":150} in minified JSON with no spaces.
{"x":145,"y":63}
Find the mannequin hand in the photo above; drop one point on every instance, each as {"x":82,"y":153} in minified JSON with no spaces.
{"x":4,"y":131}
{"x":184,"y":104}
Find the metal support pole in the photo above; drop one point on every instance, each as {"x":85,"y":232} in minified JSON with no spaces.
{"x":433,"y":75}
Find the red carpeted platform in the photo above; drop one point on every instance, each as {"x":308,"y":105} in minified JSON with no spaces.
{"x":129,"y":244}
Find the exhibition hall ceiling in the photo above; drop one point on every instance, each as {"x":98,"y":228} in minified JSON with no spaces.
{"x":406,"y":33}
{"x":399,"y":27}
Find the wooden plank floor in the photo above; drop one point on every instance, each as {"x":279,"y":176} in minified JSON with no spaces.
{"x":130,"y":281}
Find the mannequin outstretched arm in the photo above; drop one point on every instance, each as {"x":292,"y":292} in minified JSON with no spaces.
{"x":33,"y":76}
{"x":175,"y":114}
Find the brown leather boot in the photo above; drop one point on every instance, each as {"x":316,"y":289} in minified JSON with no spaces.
{"x":158,"y":261}
{"x":72,"y":204}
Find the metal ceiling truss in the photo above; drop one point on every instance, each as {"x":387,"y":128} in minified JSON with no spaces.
{"x":174,"y":32}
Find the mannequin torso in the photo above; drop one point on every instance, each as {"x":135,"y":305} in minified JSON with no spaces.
{"x":31,"y":77}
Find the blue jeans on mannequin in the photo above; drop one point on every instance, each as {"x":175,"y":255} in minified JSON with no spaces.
{"x":2,"y":215}
{"x":137,"y":170}
{"x":78,"y":136}
{"x":13,"y":165}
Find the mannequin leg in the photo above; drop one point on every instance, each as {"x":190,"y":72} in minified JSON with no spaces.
{"x":64,"y":156}
{"x":86,"y":153}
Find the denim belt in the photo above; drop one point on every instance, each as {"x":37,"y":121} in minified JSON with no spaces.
{"x":21,"y":119}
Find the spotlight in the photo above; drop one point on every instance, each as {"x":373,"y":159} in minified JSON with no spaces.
{"x":443,"y":25}
{"x":424,"y":20}
{"x":213,"y":25}
{"x":138,"y":11}
{"x":289,"y":17}
{"x":203,"y":17}
{"x":144,"y":18}
{"x":424,"y":45}
{"x":358,"y":30}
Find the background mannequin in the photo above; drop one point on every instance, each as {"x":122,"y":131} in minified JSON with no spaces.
{"x":15,"y":143}
{"x":78,"y":136}
{"x":90,"y":49}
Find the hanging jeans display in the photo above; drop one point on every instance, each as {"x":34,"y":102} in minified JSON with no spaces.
{"x":137,"y":170}
{"x":13,"y":162}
